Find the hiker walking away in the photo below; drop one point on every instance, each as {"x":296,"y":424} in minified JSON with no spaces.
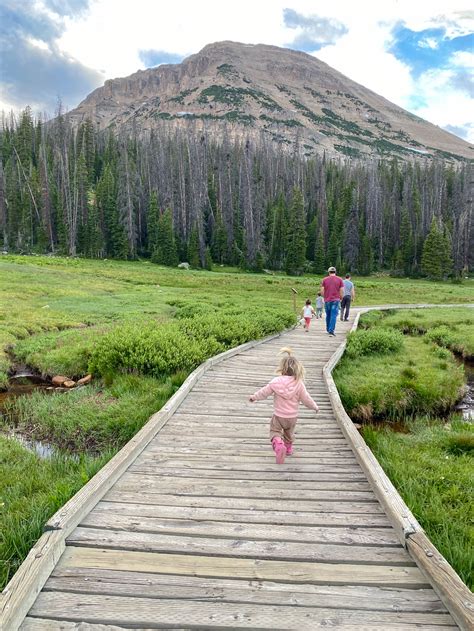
{"x":288,"y":390}
{"x":319,"y":305}
{"x":347,"y":298}
{"x":332,"y":288}
{"x":307,"y":313}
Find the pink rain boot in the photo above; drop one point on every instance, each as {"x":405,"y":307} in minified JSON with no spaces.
{"x":279,"y":449}
{"x":289,"y":449}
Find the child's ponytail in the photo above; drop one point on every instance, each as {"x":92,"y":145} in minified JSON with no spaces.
{"x":289,"y":365}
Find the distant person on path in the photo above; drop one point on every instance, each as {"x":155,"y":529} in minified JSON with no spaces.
{"x":347,"y":298}
{"x":319,"y":305}
{"x":332,"y":289}
{"x":307,"y":312}
{"x":288,"y":390}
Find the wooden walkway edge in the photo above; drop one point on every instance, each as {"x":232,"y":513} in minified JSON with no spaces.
{"x":205,"y":515}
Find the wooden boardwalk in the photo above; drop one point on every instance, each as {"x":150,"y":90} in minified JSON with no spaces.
{"x":204,"y":531}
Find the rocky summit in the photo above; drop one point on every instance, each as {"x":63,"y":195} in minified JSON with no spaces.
{"x":269,"y":94}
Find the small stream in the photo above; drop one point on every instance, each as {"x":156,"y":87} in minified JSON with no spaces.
{"x":24,"y":383}
{"x":466,"y":405}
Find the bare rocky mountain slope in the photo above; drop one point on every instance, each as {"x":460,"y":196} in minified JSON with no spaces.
{"x":282,"y":95}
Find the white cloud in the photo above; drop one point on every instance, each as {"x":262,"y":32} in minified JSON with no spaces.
{"x":463,"y":59}
{"x":446,"y":107}
{"x":428,"y":42}
{"x":37,"y":43}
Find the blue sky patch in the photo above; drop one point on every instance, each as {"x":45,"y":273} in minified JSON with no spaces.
{"x":427,"y":49}
{"x":152,"y":57}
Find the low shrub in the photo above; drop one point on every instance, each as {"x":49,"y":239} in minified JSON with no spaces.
{"x":374,"y":341}
{"x":149,"y":350}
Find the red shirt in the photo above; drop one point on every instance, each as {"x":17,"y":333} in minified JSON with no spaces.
{"x":332,"y":285}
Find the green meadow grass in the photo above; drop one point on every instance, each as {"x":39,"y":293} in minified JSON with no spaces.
{"x":31,"y":490}
{"x":432,"y":467}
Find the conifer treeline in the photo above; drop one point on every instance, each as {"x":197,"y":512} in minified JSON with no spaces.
{"x":181,"y":195}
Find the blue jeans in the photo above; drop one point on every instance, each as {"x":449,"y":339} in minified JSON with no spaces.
{"x":332,"y":309}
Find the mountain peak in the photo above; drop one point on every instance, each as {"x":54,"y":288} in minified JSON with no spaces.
{"x":255,"y":90}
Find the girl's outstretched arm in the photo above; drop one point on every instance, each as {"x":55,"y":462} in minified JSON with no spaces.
{"x":306,"y":399}
{"x":263,"y":393}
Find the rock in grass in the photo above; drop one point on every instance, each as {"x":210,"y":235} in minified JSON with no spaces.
{"x":59,"y":380}
{"x":85,"y":380}
{"x":69,"y":383}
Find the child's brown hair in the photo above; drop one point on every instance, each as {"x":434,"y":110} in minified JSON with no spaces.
{"x":289,"y":365}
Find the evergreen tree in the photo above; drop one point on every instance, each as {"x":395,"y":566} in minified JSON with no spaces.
{"x":219,"y":242}
{"x":436,"y":261}
{"x":407,"y":247}
{"x":296,"y":254}
{"x":366,"y":256}
{"x":277,"y":234}
{"x":259,"y":262}
{"x":166,"y":252}
{"x":208,"y":259}
{"x":319,"y":255}
{"x":153,"y":221}
{"x":106,"y":198}
{"x":194,"y":256}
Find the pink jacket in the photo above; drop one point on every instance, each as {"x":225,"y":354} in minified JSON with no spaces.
{"x":287,"y":393}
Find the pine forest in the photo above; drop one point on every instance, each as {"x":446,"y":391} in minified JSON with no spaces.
{"x":180,"y":194}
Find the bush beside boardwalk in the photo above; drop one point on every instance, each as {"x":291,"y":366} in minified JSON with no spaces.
{"x":410,"y":376}
{"x":65,"y":315}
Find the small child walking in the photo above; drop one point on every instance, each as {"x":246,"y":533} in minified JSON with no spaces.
{"x":319,"y":305}
{"x":288,"y":390}
{"x":307,"y":312}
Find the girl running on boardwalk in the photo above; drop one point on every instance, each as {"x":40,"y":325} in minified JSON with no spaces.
{"x":288,"y":390}
{"x":307,"y":312}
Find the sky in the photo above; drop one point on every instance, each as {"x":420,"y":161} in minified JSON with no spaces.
{"x":418,"y":54}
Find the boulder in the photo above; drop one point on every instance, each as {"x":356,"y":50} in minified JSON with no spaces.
{"x":69,"y":383}
{"x":184,"y":266}
{"x":58,"y":380}
{"x":85,"y":380}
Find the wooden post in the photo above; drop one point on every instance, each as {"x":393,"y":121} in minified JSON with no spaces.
{"x":294,"y":292}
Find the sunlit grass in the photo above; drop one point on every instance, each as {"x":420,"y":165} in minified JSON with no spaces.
{"x":433,"y":471}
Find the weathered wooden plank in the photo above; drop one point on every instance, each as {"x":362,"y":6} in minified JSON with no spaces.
{"x":264,"y":453}
{"x":344,"y":479}
{"x":292,"y":465}
{"x":129,"y":504}
{"x":327,"y":426}
{"x":150,"y":483}
{"x":251,"y":433}
{"x":85,"y":580}
{"x":111,"y":520}
{"x":242,"y":548}
{"x":169,"y":613}
{"x":270,"y":482}
{"x":250,"y":569}
{"x":258,"y":446}
{"x":42,"y":624}
{"x":321,"y":506}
